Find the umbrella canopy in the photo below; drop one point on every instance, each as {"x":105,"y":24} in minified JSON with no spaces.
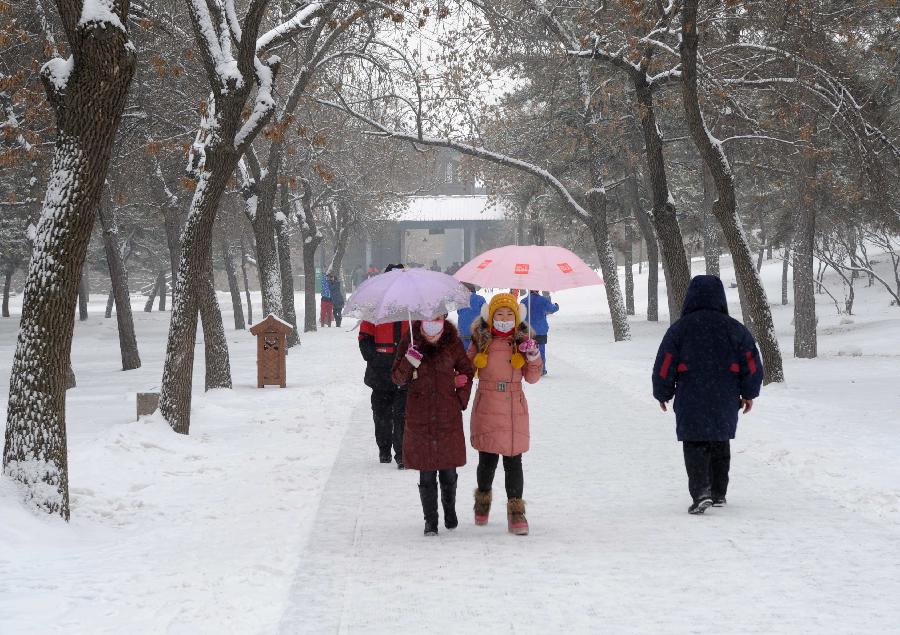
{"x":529,"y":267}
{"x":406,"y":294}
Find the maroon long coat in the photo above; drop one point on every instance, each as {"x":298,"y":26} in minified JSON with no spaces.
{"x":433,"y":438}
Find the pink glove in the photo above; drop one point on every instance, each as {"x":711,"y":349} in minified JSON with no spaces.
{"x":461,"y":380}
{"x":530,"y":348}
{"x":413,"y":356}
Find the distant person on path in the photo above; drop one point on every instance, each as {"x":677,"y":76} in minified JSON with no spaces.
{"x":465,"y":316}
{"x":709,"y":363}
{"x":438,"y":375}
{"x":378,"y":346}
{"x":540,"y":308}
{"x":337,"y":297}
{"x":356,"y":277}
{"x":504,"y":354}
{"x":327,"y":307}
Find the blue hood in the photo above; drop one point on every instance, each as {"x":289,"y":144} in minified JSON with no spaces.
{"x":705,"y":292}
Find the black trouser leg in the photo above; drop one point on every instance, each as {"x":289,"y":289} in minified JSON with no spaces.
{"x":697,"y":461}
{"x":487,"y":465}
{"x":448,"y":497}
{"x":428,"y":494}
{"x":398,"y":423}
{"x":514,"y":478}
{"x":382,"y":413}
{"x":337,"y":316}
{"x":719,"y":464}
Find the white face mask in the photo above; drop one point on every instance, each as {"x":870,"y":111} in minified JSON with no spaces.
{"x":504,"y":326}
{"x":433,"y":328}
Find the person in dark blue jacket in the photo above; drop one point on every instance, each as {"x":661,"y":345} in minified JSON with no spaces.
{"x":539,"y":308}
{"x":709,"y":363}
{"x":465,"y":317}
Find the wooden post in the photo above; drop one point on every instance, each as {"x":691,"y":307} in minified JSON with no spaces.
{"x":271,"y":349}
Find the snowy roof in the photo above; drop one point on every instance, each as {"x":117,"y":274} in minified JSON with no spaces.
{"x":435,"y":209}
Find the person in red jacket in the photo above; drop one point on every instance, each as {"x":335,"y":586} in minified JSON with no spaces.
{"x":378,"y":345}
{"x":439,"y":375}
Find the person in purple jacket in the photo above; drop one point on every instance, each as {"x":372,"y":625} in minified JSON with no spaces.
{"x":709,"y":363}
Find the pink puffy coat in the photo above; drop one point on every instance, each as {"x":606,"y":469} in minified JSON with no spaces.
{"x":499,"y":421}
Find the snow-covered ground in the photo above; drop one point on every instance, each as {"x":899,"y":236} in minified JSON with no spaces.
{"x":275,"y":516}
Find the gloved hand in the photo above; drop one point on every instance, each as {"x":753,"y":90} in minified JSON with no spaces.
{"x":461,"y":380}
{"x":530,"y":348}
{"x":413,"y":356}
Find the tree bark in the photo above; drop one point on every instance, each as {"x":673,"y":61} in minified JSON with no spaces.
{"x":805,"y":340}
{"x":83,"y":296}
{"x":215,"y":346}
{"x":236,"y":304}
{"x":785,"y":265}
{"x":7,"y":285}
{"x":671,"y":244}
{"x":646,"y":227}
{"x":110,"y":302}
{"x":246,"y":282}
{"x":725,"y":207}
{"x":161,"y":288}
{"x":259,"y":203}
{"x":286,"y":266}
{"x":118,"y":276}
{"x":148,"y":305}
{"x":712,"y":249}
{"x":173,"y":242}
{"x":628,"y":253}
{"x":311,"y":237}
{"x":87,"y":93}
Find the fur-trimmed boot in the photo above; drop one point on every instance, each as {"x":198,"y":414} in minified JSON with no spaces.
{"x":429,"y":496}
{"x":515,"y":515}
{"x":448,"y":501}
{"x":482,"y":506}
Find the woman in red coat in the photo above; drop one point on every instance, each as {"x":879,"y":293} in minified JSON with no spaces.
{"x":438,"y":375}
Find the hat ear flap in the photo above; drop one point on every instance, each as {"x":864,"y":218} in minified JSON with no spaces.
{"x":486,"y":312}
{"x":523,"y":312}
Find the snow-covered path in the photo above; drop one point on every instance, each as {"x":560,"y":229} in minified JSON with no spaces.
{"x":274,"y":515}
{"x":611,"y":547}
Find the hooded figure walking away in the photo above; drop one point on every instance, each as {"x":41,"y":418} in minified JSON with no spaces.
{"x":503,"y":354}
{"x":467,"y":315}
{"x":709,"y":363}
{"x":378,"y":345}
{"x":438,"y":376}
{"x":337,"y":297}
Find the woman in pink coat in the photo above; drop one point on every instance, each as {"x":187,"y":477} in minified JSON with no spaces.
{"x":504,"y":353}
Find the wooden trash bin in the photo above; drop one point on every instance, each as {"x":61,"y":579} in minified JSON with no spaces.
{"x":271,"y":349}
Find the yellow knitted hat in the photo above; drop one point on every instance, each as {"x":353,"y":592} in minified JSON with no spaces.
{"x":504,"y":300}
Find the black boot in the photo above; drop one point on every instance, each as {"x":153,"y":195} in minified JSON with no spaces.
{"x":384,"y":456}
{"x":448,"y":501}
{"x":428,"y":494}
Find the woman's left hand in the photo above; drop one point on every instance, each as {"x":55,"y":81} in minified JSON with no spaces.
{"x":461,"y":380}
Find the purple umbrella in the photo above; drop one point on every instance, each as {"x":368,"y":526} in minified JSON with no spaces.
{"x":406,"y":294}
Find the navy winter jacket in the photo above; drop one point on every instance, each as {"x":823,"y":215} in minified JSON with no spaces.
{"x":540,"y":308}
{"x":708,"y":361}
{"x":465,"y":317}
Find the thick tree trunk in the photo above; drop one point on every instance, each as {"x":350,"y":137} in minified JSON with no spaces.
{"x":83,"y":296}
{"x":259,"y":206}
{"x":88,"y":94}
{"x":215,"y":346}
{"x":805,"y":341}
{"x":628,"y":253}
{"x":668,"y":232}
{"x":192,"y":285}
{"x":599,"y":228}
{"x":7,"y":284}
{"x":725,"y":207}
{"x":712,"y":249}
{"x":646,"y":227}
{"x":173,"y":242}
{"x":310,"y":245}
{"x":246,"y":282}
{"x":286,"y":267}
{"x":233,"y":288}
{"x":148,"y":305}
{"x":118,"y":276}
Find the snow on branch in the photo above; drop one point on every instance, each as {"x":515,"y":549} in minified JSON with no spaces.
{"x":100,"y":13}
{"x":55,"y":74}
{"x":263,"y":104}
{"x":220,"y":63}
{"x":300,"y":21}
